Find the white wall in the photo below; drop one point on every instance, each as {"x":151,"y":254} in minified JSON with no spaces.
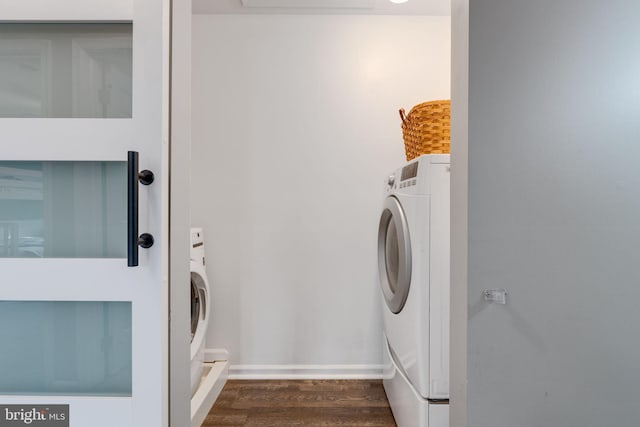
{"x":295,"y":125}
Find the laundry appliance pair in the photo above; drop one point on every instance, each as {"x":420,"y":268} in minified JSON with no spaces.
{"x":413,"y":264}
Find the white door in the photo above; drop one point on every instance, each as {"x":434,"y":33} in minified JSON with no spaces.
{"x":83,"y":84}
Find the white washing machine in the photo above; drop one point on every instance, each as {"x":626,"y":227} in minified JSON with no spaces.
{"x":413,"y":264}
{"x":199,"y":307}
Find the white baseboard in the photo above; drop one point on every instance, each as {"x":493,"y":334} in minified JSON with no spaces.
{"x":215,"y":354}
{"x":305,"y":372}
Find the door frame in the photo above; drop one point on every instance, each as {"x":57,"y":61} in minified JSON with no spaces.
{"x":459,"y":210}
{"x":179,"y":217}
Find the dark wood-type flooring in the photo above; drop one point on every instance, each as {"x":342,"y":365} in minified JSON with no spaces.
{"x":301,"y":403}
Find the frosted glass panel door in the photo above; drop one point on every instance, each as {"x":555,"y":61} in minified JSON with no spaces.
{"x":63,"y":209}
{"x":83,"y":109}
{"x":72,"y":348}
{"x":65,"y":70}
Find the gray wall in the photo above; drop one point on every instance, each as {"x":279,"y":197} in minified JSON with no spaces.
{"x":554,"y":213}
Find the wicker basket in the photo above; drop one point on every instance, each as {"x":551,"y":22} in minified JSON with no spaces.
{"x":426,"y":129}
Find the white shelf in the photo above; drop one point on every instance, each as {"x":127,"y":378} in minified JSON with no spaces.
{"x":213,"y":380}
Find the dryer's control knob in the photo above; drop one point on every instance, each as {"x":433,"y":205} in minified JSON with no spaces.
{"x":391,"y":180}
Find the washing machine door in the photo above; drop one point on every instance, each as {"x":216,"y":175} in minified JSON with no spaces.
{"x":196,"y":306}
{"x":394,"y":254}
{"x":198,"y":309}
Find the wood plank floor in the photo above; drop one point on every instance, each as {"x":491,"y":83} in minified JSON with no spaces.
{"x":301,"y":403}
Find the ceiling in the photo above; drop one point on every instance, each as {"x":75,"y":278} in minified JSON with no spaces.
{"x":325,"y":7}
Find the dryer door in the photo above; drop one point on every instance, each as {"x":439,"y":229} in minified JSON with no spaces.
{"x":394,"y":254}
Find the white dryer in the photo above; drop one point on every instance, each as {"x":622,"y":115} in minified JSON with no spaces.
{"x":200,"y":307}
{"x":413,"y":264}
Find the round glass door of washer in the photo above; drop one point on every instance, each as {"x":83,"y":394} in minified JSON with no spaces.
{"x":394,"y":254}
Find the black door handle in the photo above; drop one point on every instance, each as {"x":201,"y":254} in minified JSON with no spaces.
{"x":133,"y":178}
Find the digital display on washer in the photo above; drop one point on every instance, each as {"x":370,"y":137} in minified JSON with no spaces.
{"x":409,"y":171}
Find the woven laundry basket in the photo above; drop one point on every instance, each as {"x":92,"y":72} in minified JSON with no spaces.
{"x":426,"y":129}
